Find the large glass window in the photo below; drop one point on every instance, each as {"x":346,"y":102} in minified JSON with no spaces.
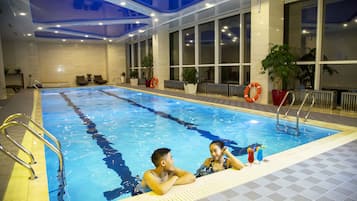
{"x":188,"y":46}
{"x":229,"y":74}
{"x":174,"y":73}
{"x":229,"y":39}
{"x":128,"y":58}
{"x":339,"y":30}
{"x":206,"y":74}
{"x":300,"y":28}
{"x":344,"y":79}
{"x":142,"y":50}
{"x":150,"y":46}
{"x":206,"y":38}
{"x":174,"y":48}
{"x":136,"y":55}
{"x":247,"y":38}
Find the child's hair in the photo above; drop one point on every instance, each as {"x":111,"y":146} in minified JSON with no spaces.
{"x":158,"y":154}
{"x":219,"y":143}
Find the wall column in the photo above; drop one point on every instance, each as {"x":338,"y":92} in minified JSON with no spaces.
{"x":267,"y":29}
{"x":116,"y":62}
{"x":2,"y":75}
{"x":161,"y":54}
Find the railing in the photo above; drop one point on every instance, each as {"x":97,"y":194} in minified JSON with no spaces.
{"x":323,"y":99}
{"x":282,"y":103}
{"x":349,"y":101}
{"x":307,"y":95}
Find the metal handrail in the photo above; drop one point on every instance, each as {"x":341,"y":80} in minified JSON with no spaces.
{"x":309,"y":110}
{"x":281,"y":104}
{"x":38,"y":136}
{"x":48,"y":134}
{"x":20,"y":161}
{"x":299,"y":110}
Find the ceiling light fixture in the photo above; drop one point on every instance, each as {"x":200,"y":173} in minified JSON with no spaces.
{"x":137,"y":22}
{"x":131,"y":35}
{"x":22,"y":13}
{"x":152,"y":14}
{"x":64,"y":40}
{"x":86,"y":36}
{"x":58,"y":25}
{"x":123,"y":3}
{"x":29,"y":34}
{"x":345,"y":25}
{"x":104,"y":38}
{"x":56,"y":32}
{"x":229,"y":34}
{"x":39,"y":28}
{"x":100,"y":23}
{"x":223,"y":30}
{"x":156,"y":20}
{"x":225,"y":27}
{"x":82,"y":41}
{"x":141,"y":31}
{"x":304,"y":31}
{"x":110,"y":40}
{"x":356,"y":20}
{"x":209,"y":5}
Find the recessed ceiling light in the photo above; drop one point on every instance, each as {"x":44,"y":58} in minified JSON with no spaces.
{"x":209,"y":5}
{"x":100,"y":23}
{"x":156,"y":20}
{"x":221,"y":43}
{"x":58,"y":25}
{"x":235,"y":38}
{"x":304,"y":31}
{"x":29,"y":34}
{"x":141,"y":31}
{"x":110,"y":40}
{"x":191,"y":41}
{"x":82,"y":41}
{"x":64,"y":40}
{"x":123,"y":3}
{"x":56,"y":32}
{"x":356,"y":20}
{"x":187,"y":34}
{"x":225,"y":27}
{"x":22,"y":13}
{"x":345,"y":25}
{"x":187,"y":45}
{"x":223,"y":30}
{"x":86,"y":36}
{"x":137,"y":22}
{"x":229,"y":34}
{"x":131,"y":35}
{"x":104,"y":38}
{"x":152,"y":14}
{"x":39,"y":28}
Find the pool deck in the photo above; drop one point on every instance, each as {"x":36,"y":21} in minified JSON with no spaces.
{"x":297,"y":177}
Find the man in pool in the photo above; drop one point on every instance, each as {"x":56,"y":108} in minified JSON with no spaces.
{"x":165,"y":175}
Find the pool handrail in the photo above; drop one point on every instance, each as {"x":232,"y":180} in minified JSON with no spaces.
{"x":301,"y":106}
{"x":282,"y":103}
{"x":47,"y":133}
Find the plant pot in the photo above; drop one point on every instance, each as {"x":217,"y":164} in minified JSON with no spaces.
{"x":190,"y":88}
{"x":134,"y":81}
{"x":278,"y":96}
{"x":122,"y":79}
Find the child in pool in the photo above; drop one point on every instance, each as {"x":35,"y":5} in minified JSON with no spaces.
{"x":217,"y":161}
{"x":165,"y":175}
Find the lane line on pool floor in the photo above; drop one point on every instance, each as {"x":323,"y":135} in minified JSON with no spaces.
{"x":113,"y":159}
{"x":237,"y":151}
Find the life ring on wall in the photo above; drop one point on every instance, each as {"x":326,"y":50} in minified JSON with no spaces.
{"x":258,"y":92}
{"x":154,"y":82}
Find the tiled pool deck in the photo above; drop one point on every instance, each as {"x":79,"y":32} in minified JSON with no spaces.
{"x":329,"y":176}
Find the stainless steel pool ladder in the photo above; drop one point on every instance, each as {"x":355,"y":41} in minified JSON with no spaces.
{"x":299,"y":110}
{"x":9,"y":122}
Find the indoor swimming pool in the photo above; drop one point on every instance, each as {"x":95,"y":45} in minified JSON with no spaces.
{"x":108,"y":135}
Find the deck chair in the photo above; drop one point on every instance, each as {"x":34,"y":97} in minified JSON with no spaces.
{"x":81,"y":80}
{"x":99,"y":80}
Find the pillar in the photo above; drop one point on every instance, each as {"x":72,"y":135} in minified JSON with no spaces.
{"x":2,"y":75}
{"x":267,"y":29}
{"x":116,"y":62}
{"x":161,"y":54}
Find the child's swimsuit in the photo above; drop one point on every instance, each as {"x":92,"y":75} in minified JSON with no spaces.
{"x":204,"y":170}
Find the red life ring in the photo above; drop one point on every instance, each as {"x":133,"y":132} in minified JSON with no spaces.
{"x":258,"y":92}
{"x":154,"y":82}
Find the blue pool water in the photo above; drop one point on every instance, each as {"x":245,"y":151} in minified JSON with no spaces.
{"x":126,"y":126}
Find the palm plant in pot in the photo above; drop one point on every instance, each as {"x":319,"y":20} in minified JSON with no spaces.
{"x":148,"y":63}
{"x":189,"y":76}
{"x":280,"y":64}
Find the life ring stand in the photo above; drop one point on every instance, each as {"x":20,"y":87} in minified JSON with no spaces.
{"x":258,"y":92}
{"x":154,"y":82}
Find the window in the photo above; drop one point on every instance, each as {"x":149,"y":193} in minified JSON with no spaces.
{"x":300,"y":28}
{"x":206,"y":38}
{"x":247,"y":38}
{"x":229,"y":39}
{"x":206,"y":74}
{"x":339,"y":30}
{"x":136,"y":55}
{"x":142,"y":50}
{"x":229,"y":74}
{"x":128,"y":58}
{"x":188,"y":46}
{"x":174,"y":74}
{"x":174,"y":48}
{"x":150,"y":46}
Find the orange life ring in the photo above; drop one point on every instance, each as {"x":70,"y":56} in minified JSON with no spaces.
{"x":154,"y":82}
{"x":258,"y":92}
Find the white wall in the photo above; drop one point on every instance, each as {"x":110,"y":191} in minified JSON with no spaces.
{"x":61,"y":62}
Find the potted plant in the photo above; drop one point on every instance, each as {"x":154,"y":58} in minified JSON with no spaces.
{"x":280,"y":64}
{"x":122,"y":78}
{"x":189,"y":76}
{"x":134,"y":78}
{"x":17,"y":70}
{"x":148,"y":63}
